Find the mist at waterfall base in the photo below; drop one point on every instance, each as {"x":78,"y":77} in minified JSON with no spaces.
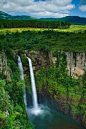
{"x":50,"y":119}
{"x":41,"y":116}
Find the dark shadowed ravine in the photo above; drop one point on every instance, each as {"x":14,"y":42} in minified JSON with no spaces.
{"x":41,"y":116}
{"x":50,"y":119}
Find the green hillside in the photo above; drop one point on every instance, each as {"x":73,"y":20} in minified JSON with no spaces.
{"x":71,"y":19}
{"x":23,"y":17}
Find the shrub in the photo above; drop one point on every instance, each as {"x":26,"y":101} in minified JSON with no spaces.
{"x":24,"y":60}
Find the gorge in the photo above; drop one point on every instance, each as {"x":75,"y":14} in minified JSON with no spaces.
{"x":51,"y":102}
{"x":50,"y":94}
{"x":39,"y":116}
{"x":59,"y":66}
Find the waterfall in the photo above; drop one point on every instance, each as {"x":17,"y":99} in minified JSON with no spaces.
{"x":33,"y":84}
{"x":21,"y":76}
{"x":36,"y":110}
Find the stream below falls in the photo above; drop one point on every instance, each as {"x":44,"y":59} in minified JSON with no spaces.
{"x":50,"y":119}
{"x":41,"y":116}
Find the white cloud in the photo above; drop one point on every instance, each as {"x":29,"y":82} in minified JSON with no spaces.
{"x":1,"y":1}
{"x":82,"y":8}
{"x":62,"y":2}
{"x":50,"y":14}
{"x":52,"y":8}
{"x":22,"y":2}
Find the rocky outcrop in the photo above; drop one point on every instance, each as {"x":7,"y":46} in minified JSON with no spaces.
{"x":61,"y":104}
{"x":76,"y":62}
{"x":3,"y":65}
{"x":38,"y":58}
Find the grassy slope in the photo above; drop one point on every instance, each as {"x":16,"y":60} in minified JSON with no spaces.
{"x":62,"y":39}
{"x":73,"y":28}
{"x":4,"y":15}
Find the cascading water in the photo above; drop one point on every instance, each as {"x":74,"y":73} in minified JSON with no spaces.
{"x":36,"y":110}
{"x":21,"y":76}
{"x":43,"y":117}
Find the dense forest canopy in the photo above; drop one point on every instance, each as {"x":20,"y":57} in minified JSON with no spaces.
{"x":46,"y":40}
{"x":33,"y":23}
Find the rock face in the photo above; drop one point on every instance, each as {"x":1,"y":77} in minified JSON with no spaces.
{"x":3,"y":65}
{"x":76,"y":63}
{"x":38,"y":58}
{"x":61,"y":104}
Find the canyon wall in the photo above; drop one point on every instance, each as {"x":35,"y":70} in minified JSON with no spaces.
{"x":4,"y":69}
{"x":76,"y":64}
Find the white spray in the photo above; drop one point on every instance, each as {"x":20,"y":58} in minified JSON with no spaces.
{"x":36,"y":110}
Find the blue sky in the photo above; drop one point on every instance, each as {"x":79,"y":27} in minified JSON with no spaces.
{"x":44,"y":8}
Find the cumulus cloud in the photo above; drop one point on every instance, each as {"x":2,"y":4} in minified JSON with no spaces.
{"x":22,"y":2}
{"x":50,"y":14}
{"x":62,"y":2}
{"x":47,"y":8}
{"x":82,"y":5}
{"x":82,"y":8}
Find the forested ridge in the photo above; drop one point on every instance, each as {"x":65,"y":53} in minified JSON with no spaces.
{"x":70,"y":19}
{"x":33,"y":23}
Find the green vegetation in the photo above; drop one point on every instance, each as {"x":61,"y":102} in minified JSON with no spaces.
{"x":12,"y":109}
{"x":33,"y":24}
{"x":72,"y":28}
{"x":4,"y":15}
{"x":48,"y":39}
{"x":71,"y":19}
{"x":56,"y":82}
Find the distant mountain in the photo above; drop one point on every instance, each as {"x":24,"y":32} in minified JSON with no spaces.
{"x":71,"y":19}
{"x":10,"y":17}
